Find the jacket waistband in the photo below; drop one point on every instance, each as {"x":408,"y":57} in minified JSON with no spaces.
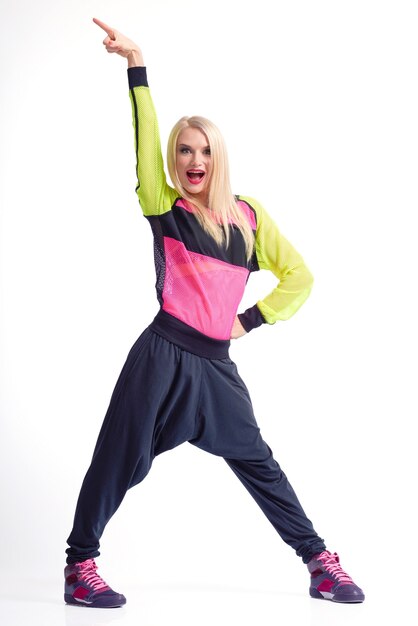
{"x":189,"y":338}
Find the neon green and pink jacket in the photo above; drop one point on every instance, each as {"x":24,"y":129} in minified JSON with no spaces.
{"x":200,"y":284}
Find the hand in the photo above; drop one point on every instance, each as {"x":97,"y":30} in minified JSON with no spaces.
{"x":237,"y":329}
{"x":116,"y":42}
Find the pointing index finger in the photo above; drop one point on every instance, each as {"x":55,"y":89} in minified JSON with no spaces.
{"x":105,"y":27}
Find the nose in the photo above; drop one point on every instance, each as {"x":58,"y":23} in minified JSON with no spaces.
{"x":196,"y":160}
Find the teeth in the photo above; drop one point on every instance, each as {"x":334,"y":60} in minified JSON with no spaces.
{"x":195,"y":174}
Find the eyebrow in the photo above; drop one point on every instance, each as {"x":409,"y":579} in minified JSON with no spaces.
{"x":184,"y":145}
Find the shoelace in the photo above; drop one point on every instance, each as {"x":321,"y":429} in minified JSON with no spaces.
{"x":331,"y":562}
{"x":88,"y":572}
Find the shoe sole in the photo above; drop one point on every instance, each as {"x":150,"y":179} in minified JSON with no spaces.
{"x":93,"y":605}
{"x":314,"y":593}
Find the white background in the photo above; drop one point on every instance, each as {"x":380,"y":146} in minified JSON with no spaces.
{"x":318,"y":104}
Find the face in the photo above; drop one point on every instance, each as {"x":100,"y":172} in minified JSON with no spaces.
{"x":193,"y":162}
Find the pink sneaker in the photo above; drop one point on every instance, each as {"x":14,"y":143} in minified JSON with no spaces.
{"x":330,"y":582}
{"x":84,"y":587}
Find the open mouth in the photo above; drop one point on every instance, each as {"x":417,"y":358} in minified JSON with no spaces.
{"x":195,"y":176}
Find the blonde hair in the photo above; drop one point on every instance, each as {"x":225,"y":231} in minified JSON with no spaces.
{"x":223,"y":208}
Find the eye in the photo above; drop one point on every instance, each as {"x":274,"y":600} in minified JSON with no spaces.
{"x":184,"y":150}
{"x":207,"y":151}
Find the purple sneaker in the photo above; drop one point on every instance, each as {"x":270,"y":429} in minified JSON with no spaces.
{"x":330,"y":582}
{"x":84,"y":587}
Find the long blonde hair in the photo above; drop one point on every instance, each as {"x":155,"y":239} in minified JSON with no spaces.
{"x":223,"y":208}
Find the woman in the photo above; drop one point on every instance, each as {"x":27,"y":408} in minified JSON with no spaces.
{"x":178,"y":383}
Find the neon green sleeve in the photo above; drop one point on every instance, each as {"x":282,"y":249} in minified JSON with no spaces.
{"x":276,"y":254}
{"x":154,"y":194}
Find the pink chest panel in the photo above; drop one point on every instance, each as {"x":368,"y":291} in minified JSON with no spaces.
{"x":201,"y":291}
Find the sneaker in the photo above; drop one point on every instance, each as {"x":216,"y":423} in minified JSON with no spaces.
{"x":84,"y":587}
{"x":330,"y":582}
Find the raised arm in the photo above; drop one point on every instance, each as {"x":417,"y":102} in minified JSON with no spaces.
{"x":154,"y":194}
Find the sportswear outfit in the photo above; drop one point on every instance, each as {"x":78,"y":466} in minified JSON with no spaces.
{"x":178,"y":383}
